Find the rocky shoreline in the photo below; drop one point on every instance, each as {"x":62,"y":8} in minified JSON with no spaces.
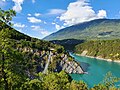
{"x":109,"y":60}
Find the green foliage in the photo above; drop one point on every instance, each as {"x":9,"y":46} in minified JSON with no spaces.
{"x":109,"y":49}
{"x":34,"y":84}
{"x":59,"y":81}
{"x":11,"y":67}
{"x":99,"y":87}
{"x":110,"y":80}
{"x":6,"y":16}
{"x":78,"y":85}
{"x":108,"y":83}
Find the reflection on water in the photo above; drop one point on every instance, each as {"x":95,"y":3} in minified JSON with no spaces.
{"x":85,"y":66}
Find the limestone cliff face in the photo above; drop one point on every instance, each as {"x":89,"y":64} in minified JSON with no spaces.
{"x":70,"y":66}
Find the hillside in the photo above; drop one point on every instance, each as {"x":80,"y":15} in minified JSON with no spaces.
{"x":24,"y":60}
{"x":68,"y":44}
{"x":96,"y":29}
{"x":107,"y":49}
{"x":23,"y":57}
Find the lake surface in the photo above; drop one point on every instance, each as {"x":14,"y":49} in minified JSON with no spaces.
{"x":96,"y":69}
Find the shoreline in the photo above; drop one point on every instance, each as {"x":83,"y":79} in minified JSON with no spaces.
{"x":99,"y":58}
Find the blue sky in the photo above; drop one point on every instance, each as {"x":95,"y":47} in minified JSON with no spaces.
{"x":39,"y":18}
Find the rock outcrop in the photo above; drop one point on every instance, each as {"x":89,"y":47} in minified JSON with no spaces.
{"x":71,"y":67}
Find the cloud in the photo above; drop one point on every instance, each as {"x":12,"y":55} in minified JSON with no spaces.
{"x":34,"y":20}
{"x":45,"y":33}
{"x":56,"y":11}
{"x":35,"y":28}
{"x":80,"y":11}
{"x":2,"y":3}
{"x":40,"y":30}
{"x":19,"y":25}
{"x":3,"y":0}
{"x":29,"y":14}
{"x":33,"y":1}
{"x":102,"y":14}
{"x":58,"y":27}
{"x":53,"y":23}
{"x":45,"y":22}
{"x":17,"y":7}
{"x":37,"y":14}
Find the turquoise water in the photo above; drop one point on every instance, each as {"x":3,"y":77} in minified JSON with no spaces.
{"x":96,"y":69}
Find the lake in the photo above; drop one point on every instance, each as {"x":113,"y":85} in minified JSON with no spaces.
{"x":96,"y":69}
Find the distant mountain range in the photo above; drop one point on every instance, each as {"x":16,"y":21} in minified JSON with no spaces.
{"x":95,"y":29}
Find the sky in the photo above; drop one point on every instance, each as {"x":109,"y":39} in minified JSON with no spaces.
{"x":39,"y":18}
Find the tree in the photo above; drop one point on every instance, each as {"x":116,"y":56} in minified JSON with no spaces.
{"x":11,"y":65}
{"x":6,"y":16}
{"x":110,"y":80}
{"x":78,"y":85}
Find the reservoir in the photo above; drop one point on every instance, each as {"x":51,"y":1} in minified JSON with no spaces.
{"x":97,"y":69}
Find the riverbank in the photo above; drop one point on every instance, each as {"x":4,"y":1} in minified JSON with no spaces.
{"x":109,"y":60}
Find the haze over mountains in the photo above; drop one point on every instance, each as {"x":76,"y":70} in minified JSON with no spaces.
{"x":95,"y":29}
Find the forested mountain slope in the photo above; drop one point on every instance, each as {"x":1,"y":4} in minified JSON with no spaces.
{"x":96,"y":29}
{"x":108,"y":49}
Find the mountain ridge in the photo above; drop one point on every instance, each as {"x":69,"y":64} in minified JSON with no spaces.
{"x":84,"y":30}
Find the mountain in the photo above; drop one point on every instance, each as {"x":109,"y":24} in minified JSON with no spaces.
{"x":95,"y":29}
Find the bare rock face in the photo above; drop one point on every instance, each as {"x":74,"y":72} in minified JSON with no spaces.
{"x":71,"y":66}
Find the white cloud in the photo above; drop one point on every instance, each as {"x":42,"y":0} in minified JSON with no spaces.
{"x":58,"y":27}
{"x":102,"y":13}
{"x":53,"y":23}
{"x":40,"y":30}
{"x":34,"y":20}
{"x":45,"y":33}
{"x":37,"y":14}
{"x":35,"y":28}
{"x":2,"y":3}
{"x":80,"y":11}
{"x":33,"y":1}
{"x":19,"y":25}
{"x":56,"y":11}
{"x":3,"y":0}
{"x":17,"y":7}
{"x":18,"y":1}
{"x":45,"y":22}
{"x":29,"y":14}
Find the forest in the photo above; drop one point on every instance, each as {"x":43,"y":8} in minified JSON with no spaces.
{"x":108,"y":49}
